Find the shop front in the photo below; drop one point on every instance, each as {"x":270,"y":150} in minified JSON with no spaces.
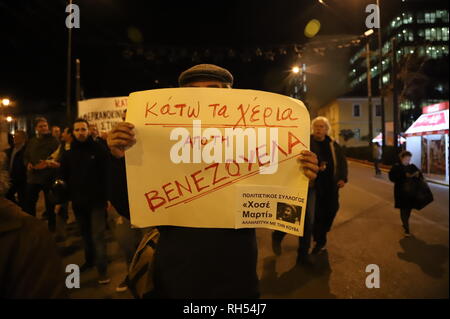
{"x":427,"y":140}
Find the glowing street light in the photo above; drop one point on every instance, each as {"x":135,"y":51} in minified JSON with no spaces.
{"x":9,"y":119}
{"x":6,"y":102}
{"x":296,"y":69}
{"x":368,"y":32}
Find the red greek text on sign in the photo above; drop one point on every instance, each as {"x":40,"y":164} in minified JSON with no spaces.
{"x":196,"y":183}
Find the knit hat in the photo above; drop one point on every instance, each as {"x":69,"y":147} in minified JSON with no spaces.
{"x":205,"y":72}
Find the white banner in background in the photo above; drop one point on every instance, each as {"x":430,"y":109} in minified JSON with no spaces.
{"x":103,"y":112}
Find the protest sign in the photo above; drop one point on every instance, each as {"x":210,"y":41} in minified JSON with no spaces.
{"x":217,"y":158}
{"x":103,"y":112}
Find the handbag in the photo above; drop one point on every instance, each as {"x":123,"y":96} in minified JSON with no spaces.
{"x":141,"y":270}
{"x":423,"y":195}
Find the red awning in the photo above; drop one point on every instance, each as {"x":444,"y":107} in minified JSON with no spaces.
{"x":427,"y":124}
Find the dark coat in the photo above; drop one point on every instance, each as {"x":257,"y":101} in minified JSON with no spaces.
{"x":40,"y":148}
{"x":339,"y":159}
{"x":85,"y":169}
{"x":206,"y":263}
{"x":118,"y":187}
{"x":397,"y":175}
{"x":30,"y":266}
{"x":18,"y":171}
{"x":325,"y":186}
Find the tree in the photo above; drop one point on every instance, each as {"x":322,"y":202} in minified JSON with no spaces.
{"x":346,"y":134}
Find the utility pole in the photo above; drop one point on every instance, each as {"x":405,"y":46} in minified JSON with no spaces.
{"x":77,"y":86}
{"x":69,"y":75}
{"x":395,"y":94}
{"x":369,"y":92}
{"x":380,"y":82}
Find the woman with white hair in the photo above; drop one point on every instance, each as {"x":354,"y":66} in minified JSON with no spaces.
{"x":331,"y":177}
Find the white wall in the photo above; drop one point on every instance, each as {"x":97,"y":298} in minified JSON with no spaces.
{"x":414,"y":145}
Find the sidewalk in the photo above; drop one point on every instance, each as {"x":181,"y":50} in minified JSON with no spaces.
{"x":71,"y":250}
{"x":386,"y":168}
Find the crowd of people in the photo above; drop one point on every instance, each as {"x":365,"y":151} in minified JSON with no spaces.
{"x":189,"y":262}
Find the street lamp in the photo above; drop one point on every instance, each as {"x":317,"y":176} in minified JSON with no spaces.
{"x":6,"y":102}
{"x":295,"y":69}
{"x":367,"y":34}
{"x":9,"y":119}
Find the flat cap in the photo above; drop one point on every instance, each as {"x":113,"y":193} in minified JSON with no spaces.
{"x":205,"y":72}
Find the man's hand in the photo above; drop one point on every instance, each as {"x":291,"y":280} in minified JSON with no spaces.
{"x":41,"y":165}
{"x":308,"y":161}
{"x":121,"y":138}
{"x":57,"y":208}
{"x":340,"y":183}
{"x":29,"y":166}
{"x":53,"y":164}
{"x":415,"y":174}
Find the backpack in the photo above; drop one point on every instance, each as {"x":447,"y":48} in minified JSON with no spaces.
{"x":140,"y":272}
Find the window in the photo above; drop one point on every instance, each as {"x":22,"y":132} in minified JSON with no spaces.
{"x":430,"y":17}
{"x":421,"y":33}
{"x":378,"y":110}
{"x":445,"y":34}
{"x":442,"y":14}
{"x":356,"y":110}
{"x":420,"y":17}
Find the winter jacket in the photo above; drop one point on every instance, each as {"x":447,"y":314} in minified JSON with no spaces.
{"x":397,"y":175}
{"x":339,"y":160}
{"x":118,"y":187}
{"x":30,"y":265}
{"x":18,"y":170}
{"x":40,"y":148}
{"x":85,"y":169}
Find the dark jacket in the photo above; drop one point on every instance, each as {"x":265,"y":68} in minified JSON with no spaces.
{"x":397,"y":175}
{"x":340,"y":167}
{"x":118,"y":191}
{"x":40,"y":148}
{"x":18,"y":171}
{"x":85,"y":169}
{"x":30,"y":266}
{"x":206,"y":263}
{"x":326,"y":188}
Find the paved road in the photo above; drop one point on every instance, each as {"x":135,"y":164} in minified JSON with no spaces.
{"x":367,"y":230}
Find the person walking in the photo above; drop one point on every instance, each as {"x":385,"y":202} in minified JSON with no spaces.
{"x":332,"y":176}
{"x":401,"y":174}
{"x":40,"y":173}
{"x":85,"y":169}
{"x":304,"y":242}
{"x":17,"y":170}
{"x":377,"y":154}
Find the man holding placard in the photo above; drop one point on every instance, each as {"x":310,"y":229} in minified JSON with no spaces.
{"x":203,"y":259}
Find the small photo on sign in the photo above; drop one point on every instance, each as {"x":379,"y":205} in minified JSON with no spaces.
{"x":288,"y":213}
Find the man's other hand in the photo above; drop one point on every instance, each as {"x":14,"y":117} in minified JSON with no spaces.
{"x":121,"y":138}
{"x":309,"y":163}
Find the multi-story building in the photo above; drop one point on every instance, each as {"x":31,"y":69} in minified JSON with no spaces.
{"x":422,"y":28}
{"x":351,"y":113}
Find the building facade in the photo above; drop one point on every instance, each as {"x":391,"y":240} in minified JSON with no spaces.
{"x":351,"y":113}
{"x":421,"y":29}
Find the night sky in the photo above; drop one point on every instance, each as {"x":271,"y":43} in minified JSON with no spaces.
{"x":34,"y":44}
